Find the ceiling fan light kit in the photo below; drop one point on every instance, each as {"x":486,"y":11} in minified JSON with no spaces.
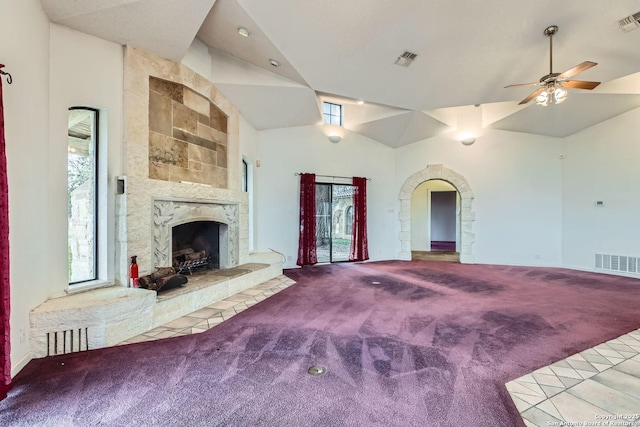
{"x":553,"y":86}
{"x":552,"y":94}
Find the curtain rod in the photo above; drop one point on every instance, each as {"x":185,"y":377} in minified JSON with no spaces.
{"x":4,"y":73}
{"x":331,"y":176}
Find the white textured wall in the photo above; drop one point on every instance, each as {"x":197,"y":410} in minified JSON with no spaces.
{"x":25,"y":52}
{"x":307,"y":149}
{"x":85,"y":72}
{"x":516,"y":179}
{"x":602,"y":163}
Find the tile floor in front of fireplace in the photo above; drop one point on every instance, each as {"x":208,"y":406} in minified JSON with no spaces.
{"x":216,"y":313}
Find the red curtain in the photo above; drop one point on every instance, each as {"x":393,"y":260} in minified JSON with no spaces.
{"x":359,"y":243}
{"x":307,"y":242}
{"x":5,"y":343}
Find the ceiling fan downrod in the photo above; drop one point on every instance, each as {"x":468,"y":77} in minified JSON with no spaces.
{"x":549,"y":32}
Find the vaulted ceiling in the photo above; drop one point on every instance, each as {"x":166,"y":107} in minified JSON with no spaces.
{"x":345,"y":51}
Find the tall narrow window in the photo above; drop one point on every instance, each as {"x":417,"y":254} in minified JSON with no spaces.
{"x":82,"y":193}
{"x":245,"y":176}
{"x":332,"y":113}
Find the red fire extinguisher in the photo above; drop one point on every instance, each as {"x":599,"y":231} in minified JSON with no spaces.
{"x":133,"y":273}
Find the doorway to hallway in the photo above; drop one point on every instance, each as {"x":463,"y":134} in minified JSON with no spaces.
{"x":442,"y":217}
{"x":435,"y":221}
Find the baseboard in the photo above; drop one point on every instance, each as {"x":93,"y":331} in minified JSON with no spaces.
{"x":606,"y":272}
{"x":17,"y":367}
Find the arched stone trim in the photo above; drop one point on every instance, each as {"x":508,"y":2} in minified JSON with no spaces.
{"x":467,"y":215}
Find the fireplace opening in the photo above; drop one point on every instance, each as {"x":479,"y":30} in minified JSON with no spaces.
{"x":195,"y":246}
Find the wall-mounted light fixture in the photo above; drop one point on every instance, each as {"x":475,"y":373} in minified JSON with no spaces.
{"x":335,"y":138}
{"x":468,"y":140}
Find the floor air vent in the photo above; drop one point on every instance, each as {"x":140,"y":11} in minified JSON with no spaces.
{"x":69,"y":341}
{"x":622,"y":263}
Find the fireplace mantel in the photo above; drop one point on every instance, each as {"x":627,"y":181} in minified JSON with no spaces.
{"x":169,"y":213}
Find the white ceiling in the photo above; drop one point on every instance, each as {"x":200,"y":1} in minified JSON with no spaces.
{"x":345,"y":51}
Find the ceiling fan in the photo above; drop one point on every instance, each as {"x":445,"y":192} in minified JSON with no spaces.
{"x":552,"y":86}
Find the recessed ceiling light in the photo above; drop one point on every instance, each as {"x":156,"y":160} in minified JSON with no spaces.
{"x":360,"y":102}
{"x":243,"y":32}
{"x":274,"y":62}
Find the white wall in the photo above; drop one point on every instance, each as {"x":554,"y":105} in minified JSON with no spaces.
{"x":307,"y":149}
{"x":53,"y":69}
{"x":602,"y":163}
{"x":85,"y":72}
{"x":24,"y":31}
{"x":250,"y":153}
{"x":420,"y":208}
{"x":516,"y":180}
{"x":198,"y":59}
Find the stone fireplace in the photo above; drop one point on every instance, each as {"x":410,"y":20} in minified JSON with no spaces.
{"x":183,"y":164}
{"x":181,"y":145}
{"x":183,"y":225}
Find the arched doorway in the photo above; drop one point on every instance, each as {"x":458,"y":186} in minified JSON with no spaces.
{"x":467,"y":215}
{"x":435,"y":221}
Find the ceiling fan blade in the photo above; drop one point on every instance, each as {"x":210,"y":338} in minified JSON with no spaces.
{"x":580,"y":84}
{"x":576,"y":70}
{"x":523,"y":84}
{"x":532,"y":95}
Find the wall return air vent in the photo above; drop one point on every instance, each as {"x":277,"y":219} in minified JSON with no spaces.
{"x":621,"y":263}
{"x":630,"y":23}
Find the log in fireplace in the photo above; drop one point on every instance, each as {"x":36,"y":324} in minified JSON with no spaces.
{"x":195,"y":246}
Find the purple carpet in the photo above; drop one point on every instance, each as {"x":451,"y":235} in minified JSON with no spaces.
{"x":404,"y":343}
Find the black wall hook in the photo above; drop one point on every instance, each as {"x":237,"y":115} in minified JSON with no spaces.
{"x":4,"y":73}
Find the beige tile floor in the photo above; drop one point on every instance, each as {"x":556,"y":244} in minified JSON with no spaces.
{"x":596,"y":387}
{"x":216,"y":313}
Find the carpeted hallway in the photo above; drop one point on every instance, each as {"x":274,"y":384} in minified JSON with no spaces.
{"x":404,"y":343}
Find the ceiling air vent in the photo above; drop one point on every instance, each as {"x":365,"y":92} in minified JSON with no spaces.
{"x":630,"y":23}
{"x":406,"y":58}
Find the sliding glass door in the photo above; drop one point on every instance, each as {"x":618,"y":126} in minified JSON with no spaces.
{"x":334,"y":221}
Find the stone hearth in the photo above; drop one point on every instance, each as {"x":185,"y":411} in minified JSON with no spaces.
{"x":111,"y":315}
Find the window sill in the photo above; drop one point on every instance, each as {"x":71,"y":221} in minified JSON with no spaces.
{"x":88,"y":286}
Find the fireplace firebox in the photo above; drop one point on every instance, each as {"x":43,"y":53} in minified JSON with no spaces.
{"x":195,"y":245}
